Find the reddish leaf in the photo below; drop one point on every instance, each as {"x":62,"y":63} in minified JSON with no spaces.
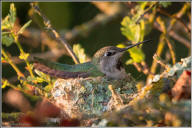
{"x":28,"y":121}
{"x":69,"y":122}
{"x":47,"y":109}
{"x":182,"y":88}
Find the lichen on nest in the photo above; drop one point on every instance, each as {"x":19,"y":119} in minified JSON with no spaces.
{"x":90,"y":95}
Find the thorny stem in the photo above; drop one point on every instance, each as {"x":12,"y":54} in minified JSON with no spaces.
{"x":19,"y":73}
{"x":49,"y":26}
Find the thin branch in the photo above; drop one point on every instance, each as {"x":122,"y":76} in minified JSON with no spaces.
{"x":53,"y":54}
{"x":174,"y":35}
{"x":49,"y":26}
{"x":171,"y":49}
{"x":146,"y":11}
{"x":176,"y":18}
{"x":117,"y":98}
{"x":7,"y":58}
{"x":160,"y":61}
{"x":159,"y":51}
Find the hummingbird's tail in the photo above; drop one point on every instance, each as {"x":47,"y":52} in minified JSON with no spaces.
{"x":58,"y":73}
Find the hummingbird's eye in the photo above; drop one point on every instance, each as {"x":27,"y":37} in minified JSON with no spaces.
{"x":109,"y":54}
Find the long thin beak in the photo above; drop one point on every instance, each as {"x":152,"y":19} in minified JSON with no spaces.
{"x":128,"y":47}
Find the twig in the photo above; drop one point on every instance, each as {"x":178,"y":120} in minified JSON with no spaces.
{"x":174,"y":35}
{"x":179,"y":15}
{"x":116,"y":97}
{"x":159,"y":51}
{"x":145,"y":11}
{"x":172,"y":51}
{"x":160,"y":61}
{"x":23,"y":53}
{"x":49,"y":26}
{"x":176,"y":18}
{"x":56,"y":53}
{"x":7,"y":58}
{"x":180,"y":39}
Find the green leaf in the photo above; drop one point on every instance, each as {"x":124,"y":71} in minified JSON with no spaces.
{"x":130,"y":29}
{"x":24,"y":56}
{"x":5,"y":23}
{"x":80,"y":53}
{"x":5,"y":83}
{"x":164,"y":4}
{"x":42,"y":75}
{"x":7,"y":40}
{"x":9,"y":21}
{"x":48,"y":88}
{"x":24,"y":27}
{"x":130,"y":61}
{"x":137,"y":54}
{"x":12,"y":12}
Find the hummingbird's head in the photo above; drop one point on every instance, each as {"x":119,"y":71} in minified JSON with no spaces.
{"x":109,"y":55}
{"x":112,"y":52}
{"x":109,"y":52}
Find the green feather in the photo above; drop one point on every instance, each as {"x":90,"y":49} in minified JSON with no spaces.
{"x":84,"y":67}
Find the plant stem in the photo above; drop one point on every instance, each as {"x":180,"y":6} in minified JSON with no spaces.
{"x":19,"y":73}
{"x":57,"y":36}
{"x":22,"y":52}
{"x":171,"y":49}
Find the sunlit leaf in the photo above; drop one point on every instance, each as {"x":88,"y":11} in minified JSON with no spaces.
{"x":7,"y":40}
{"x":121,"y":46}
{"x":130,"y":29}
{"x":24,"y":27}
{"x":164,"y":4}
{"x":9,"y":21}
{"x":80,"y":53}
{"x":4,"y":84}
{"x":24,"y":56}
{"x":39,"y":79}
{"x":130,"y":61}
{"x":5,"y":23}
{"x":48,"y":88}
{"x":137,"y":54}
{"x":12,"y":12}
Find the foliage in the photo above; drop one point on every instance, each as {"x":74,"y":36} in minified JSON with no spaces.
{"x":10,"y":35}
{"x":83,"y":102}
{"x":135,"y":29}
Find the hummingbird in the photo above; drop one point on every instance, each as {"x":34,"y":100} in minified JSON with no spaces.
{"x":106,"y":62}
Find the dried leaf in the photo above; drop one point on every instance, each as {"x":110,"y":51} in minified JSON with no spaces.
{"x":182,"y":88}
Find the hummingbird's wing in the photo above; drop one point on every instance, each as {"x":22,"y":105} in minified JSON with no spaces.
{"x":65,"y":67}
{"x":59,"y":73}
{"x":66,"y":71}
